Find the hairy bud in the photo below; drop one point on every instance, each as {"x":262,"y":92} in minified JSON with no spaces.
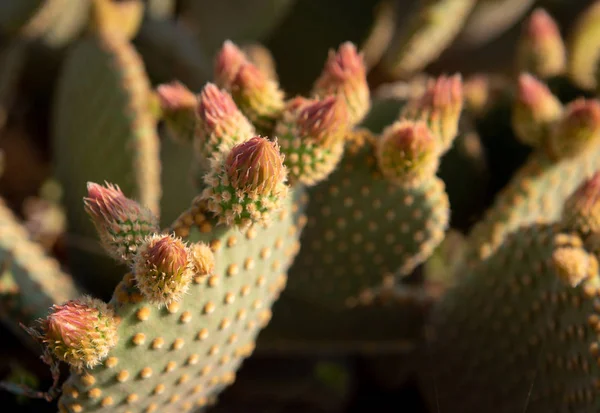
{"x":578,"y":128}
{"x":178,"y":107}
{"x":227,"y":64}
{"x":80,"y":332}
{"x":535,"y":111}
{"x":345,"y":77}
{"x":122,"y":223}
{"x":439,"y":107}
{"x":220,"y":124}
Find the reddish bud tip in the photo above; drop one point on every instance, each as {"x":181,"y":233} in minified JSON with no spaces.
{"x":541,"y":49}
{"x":324,"y":121}
{"x":582,"y":209}
{"x":255,"y":166}
{"x":579,"y":127}
{"x":175,"y":96}
{"x":227,"y":63}
{"x":345,"y":77}
{"x":80,"y":332}
{"x":215,"y":106}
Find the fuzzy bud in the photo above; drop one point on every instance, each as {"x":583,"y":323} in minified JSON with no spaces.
{"x":248,"y":184}
{"x":202,"y":259}
{"x":311,"y":133}
{"x":581,"y":210}
{"x":345,"y":77}
{"x":220,"y":124}
{"x":162,"y":269}
{"x":178,"y":106}
{"x":439,"y":107}
{"x":578,"y":128}
{"x":584,"y":48}
{"x":262,"y":58}
{"x":541,"y":50}
{"x":574,"y":265}
{"x":535,"y":110}
{"x":80,"y":332}
{"x":408,"y":153}
{"x":227,"y":64}
{"x":258,"y":97}
{"x":122,"y":223}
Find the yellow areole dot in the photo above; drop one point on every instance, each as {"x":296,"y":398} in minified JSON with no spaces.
{"x":170,"y":366}
{"x":159,"y":389}
{"x":107,"y":401}
{"x":139,"y":339}
{"x":122,"y":376}
{"x":111,"y":362}
{"x":202,"y":334}
{"x":76,"y":408}
{"x":178,"y":343}
{"x":146,"y":372}
{"x":209,"y":308}
{"x":94,"y":393}
{"x":232,"y":270}
{"x":186,"y":317}
{"x":193,"y":359}
{"x":132,"y":398}
{"x":158,"y":343}
{"x":143,"y":313}
{"x":173,"y":307}
{"x":88,"y":380}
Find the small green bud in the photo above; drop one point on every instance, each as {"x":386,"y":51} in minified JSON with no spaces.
{"x":162,"y":269}
{"x":248,"y":185}
{"x":440,"y":107}
{"x":178,"y":107}
{"x":220,"y":124}
{"x":408,"y":153}
{"x":122,"y":223}
{"x":80,"y":332}
{"x":345,"y":77}
{"x":576,"y":130}
{"x":541,"y":50}
{"x":535,"y":111}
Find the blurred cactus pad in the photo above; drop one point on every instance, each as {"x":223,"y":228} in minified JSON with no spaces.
{"x":300,"y":206}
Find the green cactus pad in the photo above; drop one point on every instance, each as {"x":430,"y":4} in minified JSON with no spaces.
{"x":512,"y":334}
{"x":535,"y":194}
{"x":103,"y":130}
{"x":428,"y":32}
{"x":30,"y":281}
{"x":362,"y":228}
{"x":182,"y":356}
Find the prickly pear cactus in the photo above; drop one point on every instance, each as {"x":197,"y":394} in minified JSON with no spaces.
{"x":521,"y":325}
{"x":103,"y":129}
{"x":567,"y":145}
{"x":30,"y":280}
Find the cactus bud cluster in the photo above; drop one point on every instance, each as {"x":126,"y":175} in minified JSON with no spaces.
{"x":344,"y":76}
{"x":122,"y":223}
{"x":248,"y":184}
{"x":259,"y":97}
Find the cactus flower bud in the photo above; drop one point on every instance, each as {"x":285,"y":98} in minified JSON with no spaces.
{"x":80,"y":332}
{"x":257,"y":96}
{"x":163,"y":269}
{"x":345,"y":77}
{"x":535,"y":110}
{"x":220,"y":124}
{"x":440,"y":107}
{"x":122,"y":223}
{"x":202,"y":259}
{"x":311,"y":133}
{"x":574,"y":265}
{"x":577,"y":129}
{"x":247,"y":185}
{"x":581,"y":210}
{"x":178,"y":107}
{"x":408,"y":153}
{"x":262,"y":58}
{"x":584,"y":48}
{"x":227,"y":64}
{"x":541,"y":50}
